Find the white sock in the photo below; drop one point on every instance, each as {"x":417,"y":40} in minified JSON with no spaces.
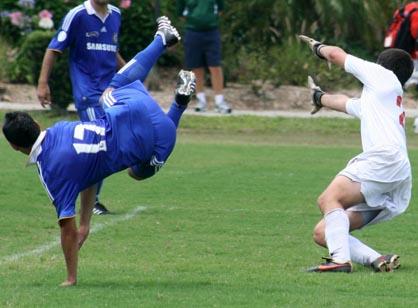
{"x":219,"y":99}
{"x":337,"y":227}
{"x":361,"y":253}
{"x":201,"y":97}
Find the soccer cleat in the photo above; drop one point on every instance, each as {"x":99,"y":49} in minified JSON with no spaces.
{"x":168,"y":33}
{"x":223,"y":108}
{"x":100,"y":209}
{"x":386,"y":263}
{"x":186,"y":85}
{"x":330,"y":266}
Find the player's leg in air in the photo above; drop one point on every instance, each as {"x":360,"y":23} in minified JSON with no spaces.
{"x":139,"y":66}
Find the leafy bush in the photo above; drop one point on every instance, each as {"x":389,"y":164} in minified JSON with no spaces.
{"x":27,"y":66}
{"x":138,"y":29}
{"x":289,"y":64}
{"x":258,"y":35}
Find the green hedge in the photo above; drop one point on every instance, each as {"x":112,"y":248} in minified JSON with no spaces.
{"x":259,"y":36}
{"x":27,"y":66}
{"x":137,"y":31}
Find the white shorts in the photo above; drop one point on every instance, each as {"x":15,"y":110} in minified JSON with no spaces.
{"x":385,"y":177}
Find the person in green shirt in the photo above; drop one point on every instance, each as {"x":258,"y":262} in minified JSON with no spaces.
{"x":202,"y":43}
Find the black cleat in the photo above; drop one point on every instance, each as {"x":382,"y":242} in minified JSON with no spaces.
{"x":186,"y":85}
{"x":386,"y":263}
{"x":168,"y":33}
{"x":330,"y":266}
{"x":100,"y":209}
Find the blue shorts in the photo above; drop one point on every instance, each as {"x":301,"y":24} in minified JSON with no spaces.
{"x":91,"y":113}
{"x":202,"y":48}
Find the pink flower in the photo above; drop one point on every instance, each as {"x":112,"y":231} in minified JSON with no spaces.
{"x":45,"y":14}
{"x":46,"y":23}
{"x":16,"y":18}
{"x":124,"y":4}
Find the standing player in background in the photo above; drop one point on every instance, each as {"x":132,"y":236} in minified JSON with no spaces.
{"x":91,"y":32}
{"x":202,"y":47}
{"x":133,"y":134}
{"x":376,"y":184}
{"x":402,"y":33}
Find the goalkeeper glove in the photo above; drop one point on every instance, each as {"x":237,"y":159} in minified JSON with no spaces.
{"x":317,"y":94}
{"x":315,"y":46}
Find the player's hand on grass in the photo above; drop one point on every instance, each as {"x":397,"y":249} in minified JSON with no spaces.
{"x":44,"y":94}
{"x":68,"y":283}
{"x":314,"y":45}
{"x":316,"y":93}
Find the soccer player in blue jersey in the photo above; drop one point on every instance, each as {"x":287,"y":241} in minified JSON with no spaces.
{"x":90,"y":31}
{"x":134,"y":133}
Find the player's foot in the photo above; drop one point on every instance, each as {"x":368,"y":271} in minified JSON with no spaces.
{"x":186,"y":85}
{"x":223,"y":108}
{"x":200,"y":106}
{"x":386,"y":263}
{"x":330,"y":266}
{"x":168,"y":33}
{"x":100,"y":209}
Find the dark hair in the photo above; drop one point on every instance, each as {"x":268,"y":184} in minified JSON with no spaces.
{"x":20,"y":129}
{"x":398,"y":61}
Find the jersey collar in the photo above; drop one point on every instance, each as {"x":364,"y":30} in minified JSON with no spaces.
{"x":91,"y":11}
{"x":36,"y":149}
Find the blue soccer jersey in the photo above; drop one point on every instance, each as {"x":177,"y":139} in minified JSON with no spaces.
{"x":71,"y":156}
{"x":93,"y":43}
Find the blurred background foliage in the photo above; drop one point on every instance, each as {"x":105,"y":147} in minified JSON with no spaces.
{"x":259,"y":36}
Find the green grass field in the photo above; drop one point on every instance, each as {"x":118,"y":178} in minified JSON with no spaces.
{"x":227,"y":222}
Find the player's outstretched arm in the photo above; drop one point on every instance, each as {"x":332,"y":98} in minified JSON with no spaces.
{"x":69,"y":244}
{"x":336,"y":102}
{"x":332,"y":54}
{"x":321,"y":99}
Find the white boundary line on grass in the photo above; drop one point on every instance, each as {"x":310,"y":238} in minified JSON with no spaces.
{"x":48,"y":246}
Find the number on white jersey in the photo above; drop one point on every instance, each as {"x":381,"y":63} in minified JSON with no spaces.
{"x":402,"y":115}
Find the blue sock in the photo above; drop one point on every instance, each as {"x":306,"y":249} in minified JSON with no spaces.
{"x":139,"y":67}
{"x":175,"y":113}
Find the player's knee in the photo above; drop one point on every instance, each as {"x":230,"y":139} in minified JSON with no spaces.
{"x":142,"y":171}
{"x":322,"y":201}
{"x":133,"y":175}
{"x":327,"y":202}
{"x":319,"y":235}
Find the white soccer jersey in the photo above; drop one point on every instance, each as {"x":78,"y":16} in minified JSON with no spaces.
{"x":383,"y":169}
{"x":380,"y":106}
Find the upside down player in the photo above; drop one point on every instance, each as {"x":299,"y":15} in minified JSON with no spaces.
{"x":134,"y":133}
{"x":376,"y":184}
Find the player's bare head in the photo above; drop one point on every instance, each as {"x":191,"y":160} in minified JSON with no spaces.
{"x":101,"y":2}
{"x":398,"y":61}
{"x":20,"y":129}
